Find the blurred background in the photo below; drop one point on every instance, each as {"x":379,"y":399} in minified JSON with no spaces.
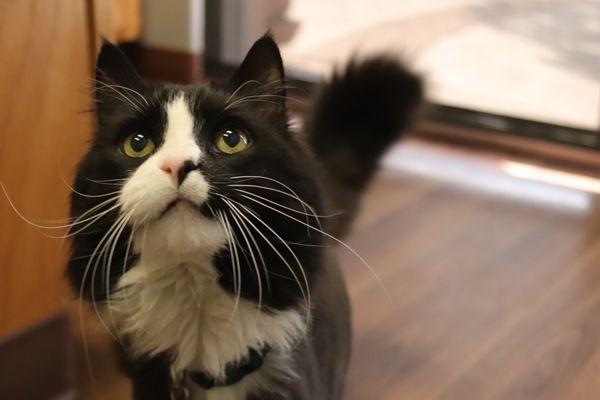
{"x":484,"y":224}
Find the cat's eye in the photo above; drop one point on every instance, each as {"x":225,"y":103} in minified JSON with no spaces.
{"x":231,"y":141}
{"x":138,"y":145}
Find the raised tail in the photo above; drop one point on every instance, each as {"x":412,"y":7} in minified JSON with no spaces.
{"x":355,"y":119}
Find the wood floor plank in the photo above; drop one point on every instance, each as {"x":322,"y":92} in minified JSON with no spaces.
{"x":491,"y":298}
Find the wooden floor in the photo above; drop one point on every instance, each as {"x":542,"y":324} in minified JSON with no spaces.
{"x":493,"y":294}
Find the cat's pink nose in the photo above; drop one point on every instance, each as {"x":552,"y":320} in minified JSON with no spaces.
{"x":178,"y":169}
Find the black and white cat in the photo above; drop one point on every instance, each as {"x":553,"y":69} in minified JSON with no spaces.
{"x":203,"y":225}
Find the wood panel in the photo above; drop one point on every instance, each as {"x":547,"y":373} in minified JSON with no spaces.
{"x":118,"y":20}
{"x":44,"y":81}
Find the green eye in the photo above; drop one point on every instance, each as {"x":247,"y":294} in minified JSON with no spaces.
{"x":138,"y":145}
{"x":231,"y":141}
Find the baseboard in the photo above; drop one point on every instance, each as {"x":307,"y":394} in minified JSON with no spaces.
{"x":38,"y":363}
{"x":539,"y":150}
{"x":170,"y":66}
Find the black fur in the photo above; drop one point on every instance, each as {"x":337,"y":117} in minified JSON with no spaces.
{"x":274,"y":153}
{"x":356,"y":117}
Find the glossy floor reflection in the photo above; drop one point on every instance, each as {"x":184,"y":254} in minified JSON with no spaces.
{"x":494,"y":283}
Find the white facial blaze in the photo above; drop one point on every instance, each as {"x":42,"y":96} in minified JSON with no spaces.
{"x":179,"y":139}
{"x":150,"y":189}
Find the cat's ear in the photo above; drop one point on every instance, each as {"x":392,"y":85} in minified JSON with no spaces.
{"x":261,"y":73}
{"x":113,"y":68}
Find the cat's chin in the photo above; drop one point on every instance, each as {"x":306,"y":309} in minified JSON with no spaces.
{"x":180,"y":205}
{"x":182,"y":230}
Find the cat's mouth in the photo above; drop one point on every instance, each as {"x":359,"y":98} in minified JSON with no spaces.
{"x":183,"y":204}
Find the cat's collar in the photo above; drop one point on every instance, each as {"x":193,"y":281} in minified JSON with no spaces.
{"x":234,"y":372}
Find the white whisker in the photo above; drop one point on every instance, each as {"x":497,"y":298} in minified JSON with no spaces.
{"x":258,"y":277}
{"x":63,"y":226}
{"x":235,"y":265}
{"x":109,"y":264}
{"x":316,"y":216}
{"x":240,"y":88}
{"x":87,"y":270}
{"x":92,"y":220}
{"x":130,"y":90}
{"x":305,"y":294}
{"x":371,"y":270}
{"x":116,"y":88}
{"x":293,"y":194}
{"x":260,"y":255}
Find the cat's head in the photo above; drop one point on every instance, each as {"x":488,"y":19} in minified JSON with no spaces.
{"x":197,"y":171}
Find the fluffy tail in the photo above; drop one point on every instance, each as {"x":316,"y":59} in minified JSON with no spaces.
{"x":356,"y":117}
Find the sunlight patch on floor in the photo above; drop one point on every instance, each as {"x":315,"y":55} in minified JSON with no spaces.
{"x":496,"y":176}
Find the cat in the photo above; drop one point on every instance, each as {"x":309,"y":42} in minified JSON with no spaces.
{"x":205,"y":227}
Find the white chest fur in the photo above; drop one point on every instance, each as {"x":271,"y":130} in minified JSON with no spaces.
{"x":171,"y":302}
